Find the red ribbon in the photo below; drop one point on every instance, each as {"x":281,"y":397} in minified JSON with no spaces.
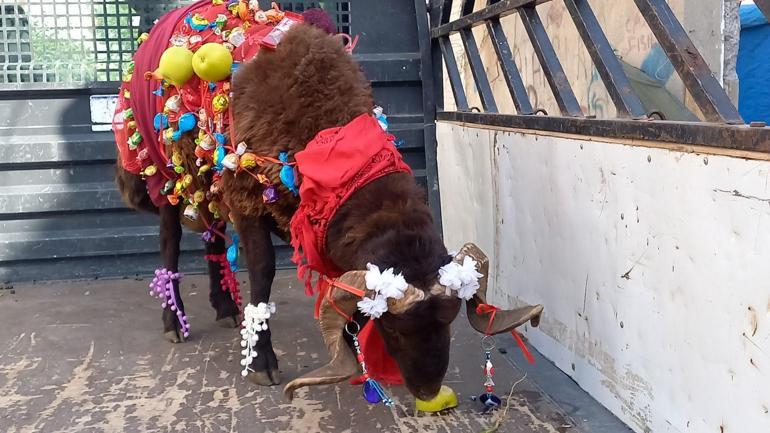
{"x":483,"y":309}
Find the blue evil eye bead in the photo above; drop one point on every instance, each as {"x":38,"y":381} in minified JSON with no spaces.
{"x":371,"y":393}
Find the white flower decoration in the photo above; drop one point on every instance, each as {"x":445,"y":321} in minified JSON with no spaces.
{"x":254,"y":320}
{"x":387,"y":283}
{"x":462,"y":278}
{"x":373,"y":307}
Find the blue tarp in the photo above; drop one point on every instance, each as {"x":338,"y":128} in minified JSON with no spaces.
{"x":754,"y":65}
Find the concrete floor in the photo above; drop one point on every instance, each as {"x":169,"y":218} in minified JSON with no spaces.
{"x":90,"y":357}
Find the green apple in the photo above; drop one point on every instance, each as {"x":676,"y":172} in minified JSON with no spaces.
{"x":175,"y":65}
{"x":212,"y":62}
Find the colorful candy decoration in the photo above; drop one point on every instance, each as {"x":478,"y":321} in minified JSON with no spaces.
{"x":379,"y":114}
{"x":220,"y":103}
{"x":230,"y":161}
{"x":212,"y":62}
{"x":150,"y":170}
{"x":197,"y":22}
{"x":287,"y":173}
{"x":372,"y":390}
{"x":162,"y":286}
{"x":191,"y":212}
{"x":175,"y":66}
{"x":232,"y":253}
{"x":160,"y":122}
{"x":186,"y":123}
{"x":134,"y":140}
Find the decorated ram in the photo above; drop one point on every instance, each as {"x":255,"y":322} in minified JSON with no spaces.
{"x":290,"y":147}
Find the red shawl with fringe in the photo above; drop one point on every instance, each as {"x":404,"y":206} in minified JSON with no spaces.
{"x":335,"y":164}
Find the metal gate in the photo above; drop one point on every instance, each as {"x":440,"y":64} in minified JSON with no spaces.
{"x":61,"y":216}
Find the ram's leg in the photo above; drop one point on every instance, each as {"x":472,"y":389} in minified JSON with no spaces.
{"x":220,"y":295}
{"x":260,"y":260}
{"x":170,"y":236}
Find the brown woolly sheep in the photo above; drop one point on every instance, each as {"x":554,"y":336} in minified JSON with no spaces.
{"x":281,"y":100}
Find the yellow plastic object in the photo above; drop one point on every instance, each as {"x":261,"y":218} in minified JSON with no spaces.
{"x":445,"y":399}
{"x":175,"y":65}
{"x":212,"y":62}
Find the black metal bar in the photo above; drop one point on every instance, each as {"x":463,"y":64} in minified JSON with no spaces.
{"x":436,"y":59}
{"x":429,"y":110}
{"x":446,"y":11}
{"x":510,"y":71}
{"x":764,"y":7}
{"x":478,"y":72}
{"x":627,"y":104}
{"x":554,"y":73}
{"x":495,"y":10}
{"x":695,"y":73}
{"x":467,"y":7}
{"x":453,"y":72}
{"x":736,"y":137}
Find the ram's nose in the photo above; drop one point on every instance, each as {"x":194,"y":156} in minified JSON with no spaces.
{"x":445,"y":399}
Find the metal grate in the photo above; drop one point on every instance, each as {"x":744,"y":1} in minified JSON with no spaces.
{"x":72,"y":42}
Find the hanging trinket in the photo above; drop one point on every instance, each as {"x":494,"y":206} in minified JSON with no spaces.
{"x":373,"y":392}
{"x":195,"y":39}
{"x":287,"y":173}
{"x":134,"y":140}
{"x":213,"y":209}
{"x":199,"y":196}
{"x":203,"y":169}
{"x":128,"y":114}
{"x":488,"y":399}
{"x":131,"y":125}
{"x":142,"y":38}
{"x":168,"y":135}
{"x":150,"y":170}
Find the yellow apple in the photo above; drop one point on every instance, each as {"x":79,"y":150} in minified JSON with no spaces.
{"x":175,"y":65}
{"x":212,"y":62}
{"x":445,"y":399}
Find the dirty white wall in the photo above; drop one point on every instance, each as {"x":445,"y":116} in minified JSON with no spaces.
{"x":653,"y":266}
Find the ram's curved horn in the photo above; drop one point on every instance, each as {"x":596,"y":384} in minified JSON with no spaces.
{"x":504,"y":320}
{"x":343,"y":364}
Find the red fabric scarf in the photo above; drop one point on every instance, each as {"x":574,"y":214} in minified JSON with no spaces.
{"x":334,"y":165}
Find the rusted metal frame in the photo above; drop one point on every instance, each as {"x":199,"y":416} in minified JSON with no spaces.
{"x":453,"y":72}
{"x":429,"y":110}
{"x":764,"y":7}
{"x":549,"y":62}
{"x":446,"y":11}
{"x":477,"y":70}
{"x":493,"y":10}
{"x":508,"y":65}
{"x":722,"y":136}
{"x":689,"y":64}
{"x":627,"y":103}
